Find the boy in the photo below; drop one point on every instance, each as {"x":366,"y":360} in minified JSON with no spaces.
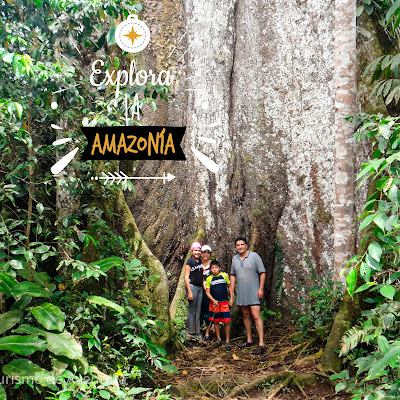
{"x":217,"y":285}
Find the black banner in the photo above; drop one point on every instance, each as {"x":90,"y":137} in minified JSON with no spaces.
{"x":134,"y":143}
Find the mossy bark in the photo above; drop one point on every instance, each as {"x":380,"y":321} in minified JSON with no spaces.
{"x":349,"y":310}
{"x":156,"y":291}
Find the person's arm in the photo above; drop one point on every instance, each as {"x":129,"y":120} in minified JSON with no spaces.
{"x":208,"y":293}
{"x":187,"y":282}
{"x":260,"y":292}
{"x":232,"y":290}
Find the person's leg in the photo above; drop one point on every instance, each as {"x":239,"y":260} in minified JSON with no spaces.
{"x":256,"y":313}
{"x":247,"y":322}
{"x":197,"y":298}
{"x":217,"y":330}
{"x":227,"y":327}
{"x":191,"y":315}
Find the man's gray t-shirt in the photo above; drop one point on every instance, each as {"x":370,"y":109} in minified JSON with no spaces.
{"x":247,"y":278}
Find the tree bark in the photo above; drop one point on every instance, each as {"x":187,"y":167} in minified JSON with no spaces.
{"x":345,"y":81}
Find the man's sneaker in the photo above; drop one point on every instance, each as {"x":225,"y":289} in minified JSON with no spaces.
{"x":217,"y":343}
{"x":245,"y":344}
{"x":228,"y":346}
{"x":199,"y":337}
{"x":258,"y":351}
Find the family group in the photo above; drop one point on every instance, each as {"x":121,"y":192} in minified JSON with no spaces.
{"x":211,"y":293}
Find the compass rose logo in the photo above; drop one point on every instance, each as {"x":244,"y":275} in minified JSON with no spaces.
{"x":132,"y":35}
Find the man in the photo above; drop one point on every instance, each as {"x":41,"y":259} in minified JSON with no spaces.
{"x":249,"y":272}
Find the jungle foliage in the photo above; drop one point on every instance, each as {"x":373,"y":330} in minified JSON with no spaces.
{"x":69,"y":329}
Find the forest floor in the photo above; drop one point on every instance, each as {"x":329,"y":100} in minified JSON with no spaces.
{"x":286,"y":371}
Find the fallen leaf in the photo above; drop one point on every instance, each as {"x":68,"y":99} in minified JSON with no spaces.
{"x":235,"y":357}
{"x":184,"y":372}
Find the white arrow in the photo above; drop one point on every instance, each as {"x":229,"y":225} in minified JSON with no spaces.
{"x":122,"y":177}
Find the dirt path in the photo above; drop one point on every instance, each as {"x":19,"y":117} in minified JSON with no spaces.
{"x":287,"y":370}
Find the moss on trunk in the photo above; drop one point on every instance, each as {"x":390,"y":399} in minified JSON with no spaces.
{"x":155,"y":291}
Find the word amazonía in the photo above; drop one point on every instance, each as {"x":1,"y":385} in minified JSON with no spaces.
{"x":133,"y":143}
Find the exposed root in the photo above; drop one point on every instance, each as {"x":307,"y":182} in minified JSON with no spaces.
{"x":286,"y":377}
{"x":258,"y":382}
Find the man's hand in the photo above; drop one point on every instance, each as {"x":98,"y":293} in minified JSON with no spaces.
{"x":231,"y":301}
{"x":260,"y":293}
{"x":190,"y":296}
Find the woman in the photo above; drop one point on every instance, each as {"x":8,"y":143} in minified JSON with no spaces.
{"x":205,"y":257}
{"x":194,"y":288}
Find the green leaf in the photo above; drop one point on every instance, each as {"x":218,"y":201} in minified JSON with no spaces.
{"x":63,"y":344}
{"x":391,"y":11}
{"x":379,"y":366}
{"x":31,"y":330}
{"x":383,"y":344}
{"x":7,"y":283}
{"x":366,"y":221}
{"x":340,"y":386}
{"x":105,"y":394}
{"x":23,"y":345}
{"x":31,"y":289}
{"x":111,"y":36}
{"x":365,"y":271}
{"x":106,"y":263}
{"x":388,"y":292}
{"x":9,"y":319}
{"x":24,"y":368}
{"x":375,"y":250}
{"x":3,"y":395}
{"x":365,"y":286}
{"x":106,"y":303}
{"x":40,"y":208}
{"x":351,"y":280}
{"x":50,"y":316}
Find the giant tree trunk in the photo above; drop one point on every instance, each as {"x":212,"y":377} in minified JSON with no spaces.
{"x":249,"y":80}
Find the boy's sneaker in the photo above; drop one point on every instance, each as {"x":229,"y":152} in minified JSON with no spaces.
{"x":258,"y":351}
{"x":217,"y":343}
{"x":228,"y":346}
{"x":207,"y":339}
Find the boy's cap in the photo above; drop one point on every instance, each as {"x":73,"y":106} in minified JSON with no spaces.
{"x":206,"y":247}
{"x":195,"y":245}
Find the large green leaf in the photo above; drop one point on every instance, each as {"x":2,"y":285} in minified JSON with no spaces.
{"x":375,"y":250}
{"x":106,"y":303}
{"x":9,"y":319}
{"x":63,"y":344}
{"x":50,"y":316}
{"x":379,"y":366}
{"x":23,"y":368}
{"x":31,"y":289}
{"x":31,"y":330}
{"x":23,"y":345}
{"x":3,"y":395}
{"x":7,"y":283}
{"x":106,"y":263}
{"x":22,"y":303}
{"x":388,"y":291}
{"x":351,"y":280}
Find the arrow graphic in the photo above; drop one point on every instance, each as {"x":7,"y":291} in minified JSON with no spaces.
{"x":121,"y":177}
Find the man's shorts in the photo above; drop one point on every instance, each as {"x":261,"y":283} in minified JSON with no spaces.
{"x":220,"y":313}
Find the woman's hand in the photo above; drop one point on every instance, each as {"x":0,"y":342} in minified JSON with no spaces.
{"x":190,"y":296}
